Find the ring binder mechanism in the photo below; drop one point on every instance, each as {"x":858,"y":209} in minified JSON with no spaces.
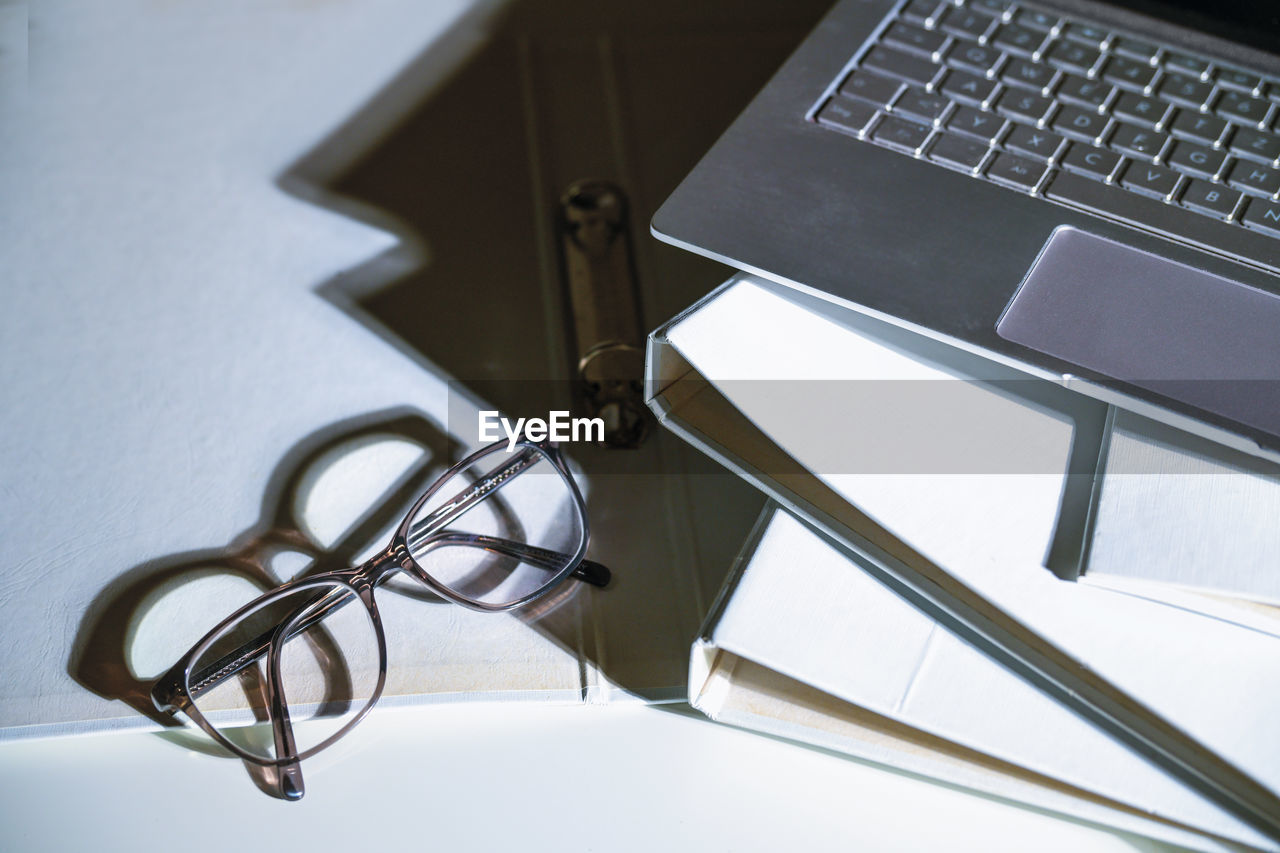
{"x":599,"y":276}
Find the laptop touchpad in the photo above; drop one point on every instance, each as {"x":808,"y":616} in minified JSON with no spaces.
{"x":1160,"y":325}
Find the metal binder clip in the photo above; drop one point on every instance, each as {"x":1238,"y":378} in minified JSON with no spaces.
{"x":595,"y":245}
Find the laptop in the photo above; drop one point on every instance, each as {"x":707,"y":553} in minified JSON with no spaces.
{"x":1088,"y":191}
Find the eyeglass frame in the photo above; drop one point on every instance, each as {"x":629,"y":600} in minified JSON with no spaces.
{"x":172,"y":692}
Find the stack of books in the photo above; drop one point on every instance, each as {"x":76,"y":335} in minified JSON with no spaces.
{"x":983,"y":578}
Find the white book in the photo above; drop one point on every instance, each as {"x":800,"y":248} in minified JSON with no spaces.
{"x":805,"y":644}
{"x":915,"y":474}
{"x":1207,"y":514}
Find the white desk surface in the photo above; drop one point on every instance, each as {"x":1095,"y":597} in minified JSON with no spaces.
{"x":507,"y":776}
{"x":140,"y":159}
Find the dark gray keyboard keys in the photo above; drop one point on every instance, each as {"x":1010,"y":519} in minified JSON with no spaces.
{"x":1199,"y":127}
{"x":1036,"y":20}
{"x":965,"y":22}
{"x":1189,"y":65}
{"x":1023,"y":106}
{"x":1073,"y":56}
{"x":978,"y":124}
{"x":901,"y":133}
{"x":846,"y":114}
{"x":1254,"y":178}
{"x":1083,"y":91}
{"x":1138,"y":109}
{"x":1197,"y":159}
{"x":959,"y":151}
{"x":913,"y":38}
{"x":921,"y":11}
{"x":991,"y":7}
{"x":972,"y":56}
{"x":1030,"y":75}
{"x":963,"y":86}
{"x":1211,"y":199}
{"x":1019,"y":39}
{"x":1136,"y":132}
{"x":1149,"y":179}
{"x":895,"y":63}
{"x":1138,"y":142}
{"x":1096,"y":163}
{"x":1255,"y":145}
{"x":1079,"y":124}
{"x":1262,"y":216}
{"x":1033,"y":142}
{"x":1241,"y":81}
{"x":1016,"y":171}
{"x":1085,"y":34}
{"x":1135,"y":49}
{"x":1129,"y":73}
{"x":1238,"y":106}
{"x":1187,"y":91}
{"x":871,"y":87}
{"x":921,"y":104}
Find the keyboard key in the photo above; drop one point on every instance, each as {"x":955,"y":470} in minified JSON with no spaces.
{"x":1255,"y":145}
{"x":1188,"y":91}
{"x":976,"y":123}
{"x":1079,"y":124}
{"x":1023,"y":106}
{"x":1135,"y":49}
{"x":900,"y":133}
{"x":895,"y":63}
{"x":1148,"y":112}
{"x":965,"y":22}
{"x":1018,"y":39}
{"x":1213,"y":199}
{"x":1073,"y":56}
{"x":972,"y":56}
{"x":847,"y":114}
{"x":1085,"y":34}
{"x":964,"y":86}
{"x":1198,"y":127}
{"x":1241,"y":81}
{"x":1033,"y":142}
{"x":1253,"y":178}
{"x":921,"y":11}
{"x":1197,"y":159}
{"x":1148,"y":179}
{"x":1238,"y":106}
{"x":1096,"y":163}
{"x":991,"y":7}
{"x":914,"y":38}
{"x":1036,"y":20}
{"x":1138,"y":142}
{"x":1015,"y":171}
{"x":1262,"y":216}
{"x":921,"y":104}
{"x":958,"y":151}
{"x":871,"y":87}
{"x":1189,"y":65}
{"x":1085,"y":92}
{"x":1019,"y":72}
{"x":1129,"y":73}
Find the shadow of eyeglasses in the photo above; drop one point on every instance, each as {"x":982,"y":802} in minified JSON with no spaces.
{"x":101,"y":657}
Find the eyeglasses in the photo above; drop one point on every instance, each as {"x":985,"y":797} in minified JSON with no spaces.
{"x":499,"y":530}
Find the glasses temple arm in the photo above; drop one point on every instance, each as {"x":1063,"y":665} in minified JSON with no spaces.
{"x":587,"y":571}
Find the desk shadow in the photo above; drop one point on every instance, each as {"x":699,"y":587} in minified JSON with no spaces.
{"x":463,"y":156}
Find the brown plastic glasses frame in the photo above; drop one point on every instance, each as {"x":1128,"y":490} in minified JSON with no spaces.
{"x":177,"y":689}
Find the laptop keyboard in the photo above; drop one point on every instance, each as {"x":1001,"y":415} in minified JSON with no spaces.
{"x":1068,"y":110}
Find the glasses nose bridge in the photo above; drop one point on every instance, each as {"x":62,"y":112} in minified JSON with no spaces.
{"x":394,"y":558}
